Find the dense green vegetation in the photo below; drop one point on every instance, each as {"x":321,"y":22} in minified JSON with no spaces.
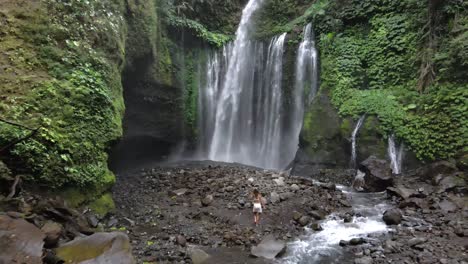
{"x":375,"y":56}
{"x":67,"y":56}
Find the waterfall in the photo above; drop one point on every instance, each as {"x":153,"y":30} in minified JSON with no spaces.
{"x":353,"y":140}
{"x":305,"y":86}
{"x":306,"y":70}
{"x":395,"y":154}
{"x":241,"y":117}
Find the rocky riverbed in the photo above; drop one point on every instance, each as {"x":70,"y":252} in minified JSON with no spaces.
{"x":174,"y":214}
{"x":427,"y":221}
{"x":201,"y":213}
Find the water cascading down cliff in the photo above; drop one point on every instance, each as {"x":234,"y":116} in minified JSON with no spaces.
{"x":242,"y":113}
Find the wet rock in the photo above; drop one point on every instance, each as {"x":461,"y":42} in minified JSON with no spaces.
{"x":20,"y":241}
{"x":304,"y":220}
{"x":53,"y":231}
{"x":279,"y":181}
{"x":450,"y":182}
{"x":378,"y":174}
{"x":92,"y":220}
{"x":401,"y":191}
{"x":415,"y":203}
{"x":416,"y":241}
{"x":431,"y":172}
{"x":343,"y":243}
{"x":392,"y":216}
{"x":295,"y":188}
{"x":316,"y":226}
{"x":274,"y":197}
{"x":198,"y":256}
{"x":98,"y":248}
{"x":128,"y":221}
{"x":178,"y":192}
{"x":207,"y":200}
{"x":296,"y":216}
{"x":181,"y":240}
{"x":363,"y":260}
{"x":317,"y":214}
{"x":447,"y":206}
{"x":269,"y":248}
{"x":357,"y":241}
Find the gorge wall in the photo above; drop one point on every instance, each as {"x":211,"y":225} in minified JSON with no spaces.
{"x":68,"y":70}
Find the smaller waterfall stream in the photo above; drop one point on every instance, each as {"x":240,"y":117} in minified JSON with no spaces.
{"x":395,"y":153}
{"x":323,"y":246}
{"x":353,"y":140}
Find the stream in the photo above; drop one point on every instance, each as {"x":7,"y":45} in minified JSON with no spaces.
{"x":323,"y":246}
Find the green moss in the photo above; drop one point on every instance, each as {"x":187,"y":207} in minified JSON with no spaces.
{"x":69,"y":57}
{"x":369,"y":60}
{"x":103,"y":205}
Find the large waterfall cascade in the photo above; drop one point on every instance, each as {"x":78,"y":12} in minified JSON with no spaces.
{"x":353,"y":140}
{"x":395,"y":153}
{"x":242,"y":113}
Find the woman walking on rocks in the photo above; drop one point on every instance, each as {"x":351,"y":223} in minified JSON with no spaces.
{"x":258,"y":205}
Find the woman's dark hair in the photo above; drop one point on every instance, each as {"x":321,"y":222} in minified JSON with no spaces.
{"x":255,"y":192}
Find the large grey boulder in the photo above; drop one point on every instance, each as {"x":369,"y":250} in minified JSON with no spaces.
{"x":378,"y":174}
{"x":269,"y":248}
{"x":20,"y":241}
{"x":198,"y":256}
{"x":392,"y":216}
{"x":98,"y":248}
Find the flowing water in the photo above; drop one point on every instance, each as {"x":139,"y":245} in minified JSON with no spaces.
{"x":323,"y":246}
{"x":241,"y":102}
{"x":353,"y":140}
{"x":395,"y":153}
{"x":305,"y":87}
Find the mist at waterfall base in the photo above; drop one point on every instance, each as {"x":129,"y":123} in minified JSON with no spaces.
{"x":244,"y":114}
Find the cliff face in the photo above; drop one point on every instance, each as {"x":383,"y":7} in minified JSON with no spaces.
{"x":60,"y":67}
{"x":68,"y":70}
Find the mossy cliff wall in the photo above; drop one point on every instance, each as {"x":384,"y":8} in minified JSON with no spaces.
{"x":66,"y":68}
{"x":60,"y":64}
{"x":394,"y":61}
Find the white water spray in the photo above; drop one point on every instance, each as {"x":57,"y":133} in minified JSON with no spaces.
{"x":353,"y":140}
{"x":395,"y":153}
{"x":323,"y":246}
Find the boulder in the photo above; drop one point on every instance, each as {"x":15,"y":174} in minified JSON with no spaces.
{"x":316,"y":226}
{"x":378,"y":174}
{"x":181,"y":240}
{"x":269,"y":248}
{"x":20,"y":241}
{"x":274,"y":197}
{"x":400,"y":191}
{"x":98,"y":248}
{"x":357,"y":241}
{"x":317,"y":214}
{"x":416,"y":241}
{"x":207,"y":200}
{"x":447,"y":206}
{"x":392,"y":216}
{"x":432,"y":172}
{"x":296,"y":215}
{"x":198,"y":256}
{"x":53,"y":231}
{"x":295,"y":188}
{"x":304,"y":220}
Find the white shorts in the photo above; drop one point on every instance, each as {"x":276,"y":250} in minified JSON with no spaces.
{"x":257,"y":208}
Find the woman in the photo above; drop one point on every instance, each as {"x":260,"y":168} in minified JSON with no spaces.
{"x":258,"y":205}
